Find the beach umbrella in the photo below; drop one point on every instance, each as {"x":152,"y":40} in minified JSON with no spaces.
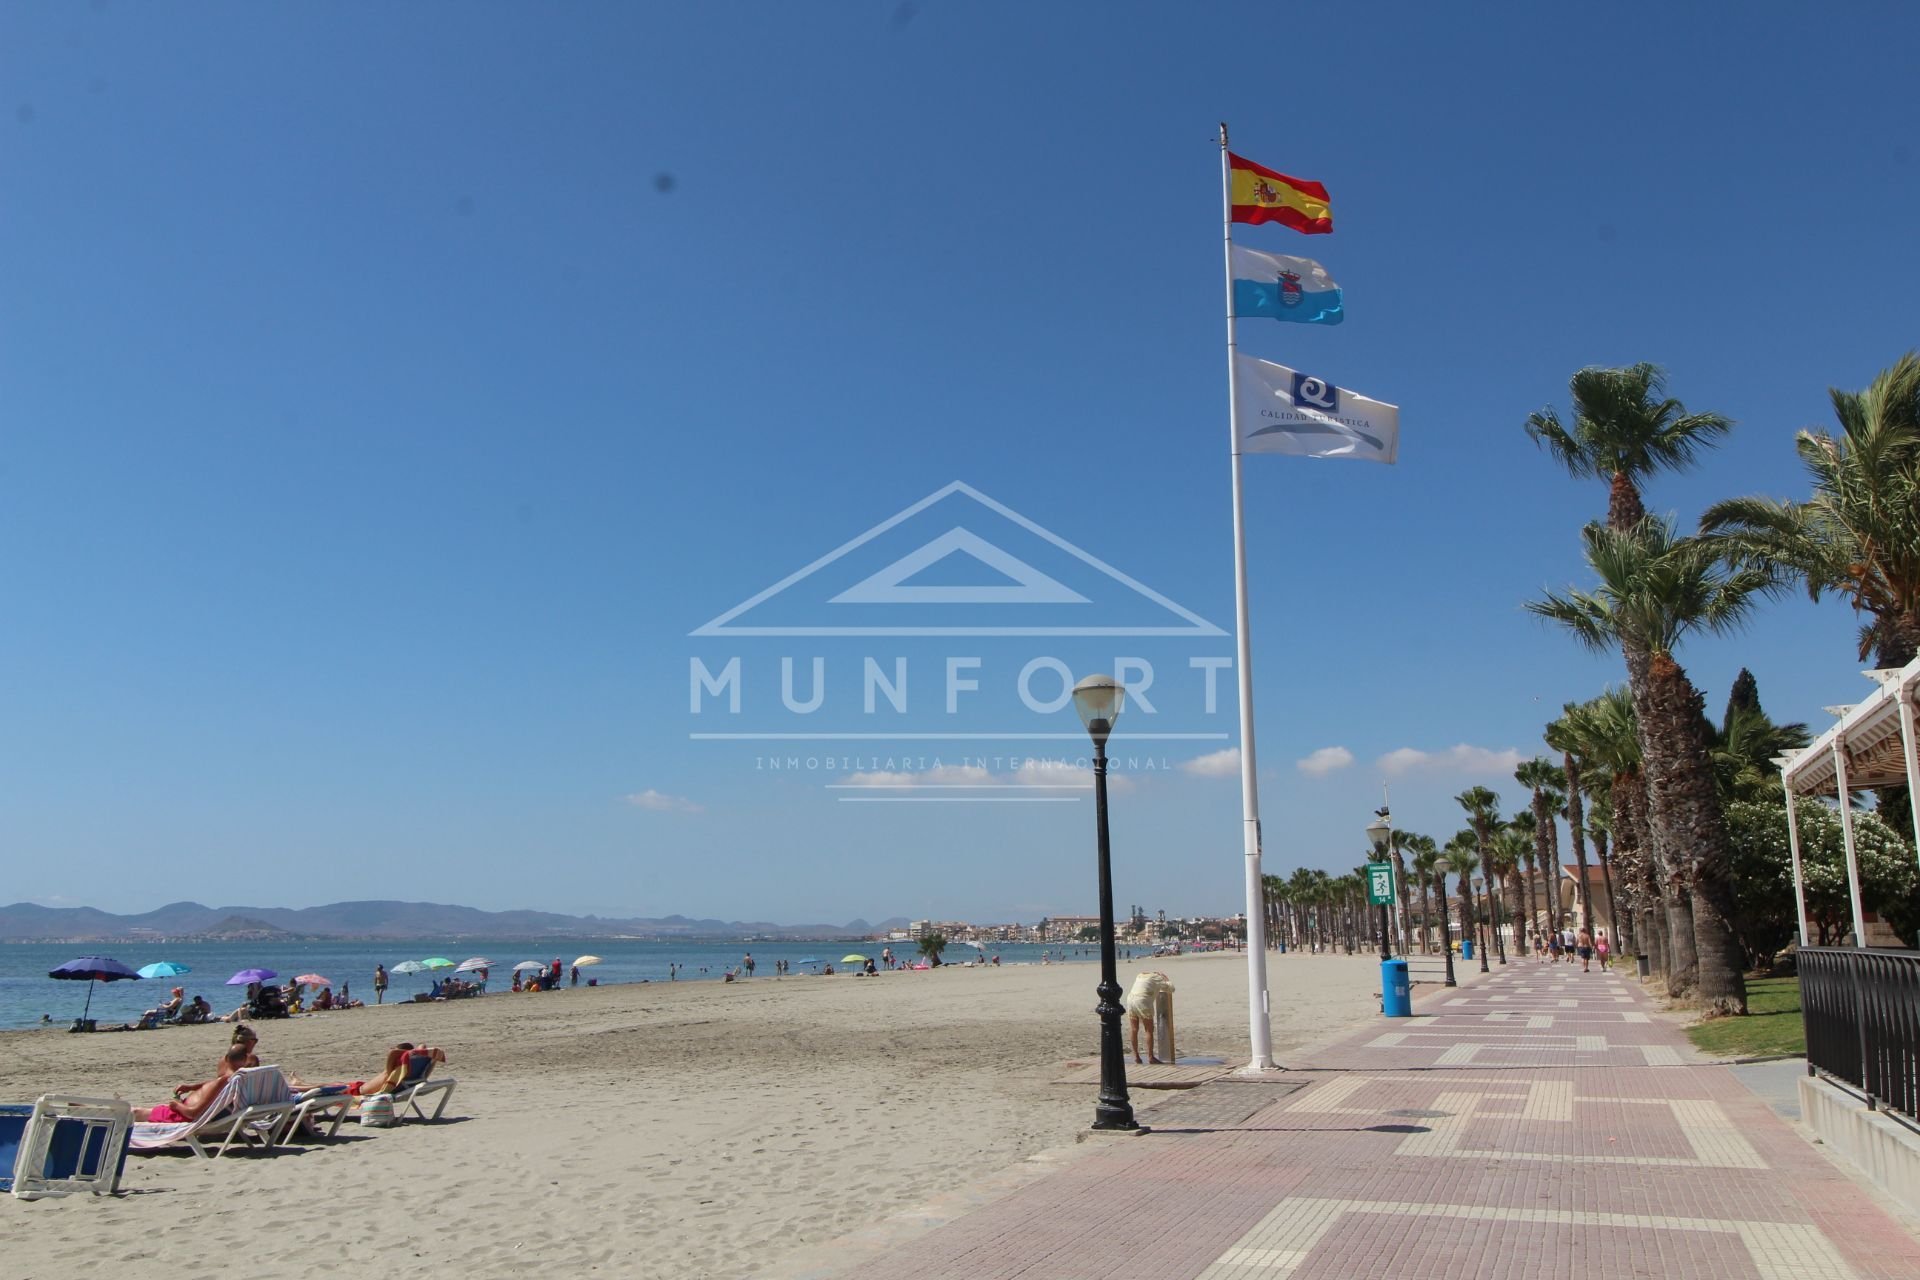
{"x":436,"y":962}
{"x":468,"y":966}
{"x":163,"y":969}
{"x":584,"y":961}
{"x":245,"y":976}
{"x":408,"y":966}
{"x":853,"y":959}
{"x":529,"y":966}
{"x":313,"y":980}
{"x":93,"y":969}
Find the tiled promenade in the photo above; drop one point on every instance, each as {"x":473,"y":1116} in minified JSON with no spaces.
{"x":1538,"y":1124}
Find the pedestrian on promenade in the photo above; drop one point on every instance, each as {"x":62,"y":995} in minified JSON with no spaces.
{"x":379,"y":984}
{"x":1553,"y":948}
{"x":1603,"y":949}
{"x":1583,"y":942}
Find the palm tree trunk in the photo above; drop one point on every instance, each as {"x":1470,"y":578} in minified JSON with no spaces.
{"x":1686,"y":803}
{"x":1405,"y":892}
{"x":1576,"y":818}
{"x":1533,"y":874}
{"x":1606,"y":880}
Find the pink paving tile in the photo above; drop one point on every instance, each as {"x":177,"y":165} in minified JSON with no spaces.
{"x":1473,"y":1148}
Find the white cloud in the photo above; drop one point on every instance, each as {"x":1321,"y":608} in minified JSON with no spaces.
{"x":1224,"y":763}
{"x":1031,"y":772}
{"x":945,"y":774}
{"x":1324,"y":761}
{"x":1459,"y":758}
{"x":661,"y":802}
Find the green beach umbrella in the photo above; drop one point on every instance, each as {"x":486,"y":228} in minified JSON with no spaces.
{"x":853,"y":959}
{"x":436,"y":962}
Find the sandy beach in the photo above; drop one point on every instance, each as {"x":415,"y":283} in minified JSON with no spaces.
{"x":693,"y":1130}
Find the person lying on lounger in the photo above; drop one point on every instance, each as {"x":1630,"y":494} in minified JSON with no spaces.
{"x":190,"y":1100}
{"x":396,"y":1071}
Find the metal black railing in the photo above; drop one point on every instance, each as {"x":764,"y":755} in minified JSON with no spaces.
{"x":1862,"y":1010}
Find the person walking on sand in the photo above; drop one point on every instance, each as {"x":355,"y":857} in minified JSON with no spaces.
{"x":379,"y":984}
{"x":574,"y":979}
{"x":1583,"y":943}
{"x":746,"y":963}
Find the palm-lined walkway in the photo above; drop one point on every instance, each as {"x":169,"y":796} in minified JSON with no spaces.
{"x":1539,"y":1122}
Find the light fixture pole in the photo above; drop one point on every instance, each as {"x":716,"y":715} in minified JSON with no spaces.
{"x":1098,"y":699}
{"x":1443,"y":866}
{"x":1380,"y":832}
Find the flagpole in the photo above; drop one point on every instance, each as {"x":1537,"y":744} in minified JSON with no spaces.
{"x":1259,"y":1024}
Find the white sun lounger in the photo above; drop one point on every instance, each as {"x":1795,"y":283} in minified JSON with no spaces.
{"x":253,"y":1108}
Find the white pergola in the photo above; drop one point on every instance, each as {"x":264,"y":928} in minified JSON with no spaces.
{"x":1871,"y":745}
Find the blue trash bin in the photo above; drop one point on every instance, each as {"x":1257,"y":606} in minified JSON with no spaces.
{"x":1466,"y":948}
{"x":1396,"y":989}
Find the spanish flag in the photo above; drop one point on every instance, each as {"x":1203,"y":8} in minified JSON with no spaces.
{"x":1261,"y":195}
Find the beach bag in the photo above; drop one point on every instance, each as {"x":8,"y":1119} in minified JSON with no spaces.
{"x":377,"y":1112}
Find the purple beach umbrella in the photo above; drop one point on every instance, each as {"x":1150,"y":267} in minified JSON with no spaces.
{"x":93,"y":969}
{"x":246,"y":976}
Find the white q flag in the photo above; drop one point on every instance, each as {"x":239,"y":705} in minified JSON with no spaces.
{"x":1281,"y":410}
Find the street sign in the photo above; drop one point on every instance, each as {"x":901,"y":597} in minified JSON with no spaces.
{"x":1380,"y":884}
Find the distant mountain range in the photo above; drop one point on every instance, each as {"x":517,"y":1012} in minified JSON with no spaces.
{"x":27,"y":922}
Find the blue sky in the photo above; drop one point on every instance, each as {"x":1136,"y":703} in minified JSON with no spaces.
{"x":387,"y":394}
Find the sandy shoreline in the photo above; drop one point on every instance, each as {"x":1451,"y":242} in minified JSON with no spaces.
{"x":692,"y":1130}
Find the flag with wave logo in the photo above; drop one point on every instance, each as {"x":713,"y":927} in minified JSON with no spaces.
{"x":1282,"y":410}
{"x":1282,"y":287}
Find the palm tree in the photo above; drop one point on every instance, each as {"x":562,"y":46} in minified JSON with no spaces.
{"x":1544,"y":779}
{"x":1655,"y":588}
{"x":1600,"y":827}
{"x":1558,"y":738}
{"x":1747,"y":743}
{"x":1462,"y":854}
{"x":1523,"y":822}
{"x":1397,"y":843}
{"x":1858,"y":536}
{"x":1625,"y":428}
{"x":1273,"y":896}
{"x":1512,"y":846}
{"x":1425,"y":856}
{"x":1483,"y":811}
{"x":1609,"y":736}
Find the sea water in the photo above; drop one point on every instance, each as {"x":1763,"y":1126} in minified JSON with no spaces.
{"x":27,"y":994}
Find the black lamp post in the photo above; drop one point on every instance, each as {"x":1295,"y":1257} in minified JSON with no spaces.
{"x":1446,"y":934}
{"x":1098,"y":699}
{"x":1380,"y":831}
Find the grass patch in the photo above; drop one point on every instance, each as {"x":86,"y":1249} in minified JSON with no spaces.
{"x":1772,"y":1024}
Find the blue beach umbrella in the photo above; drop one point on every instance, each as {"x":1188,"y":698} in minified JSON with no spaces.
{"x":93,"y":969}
{"x":163,"y":969}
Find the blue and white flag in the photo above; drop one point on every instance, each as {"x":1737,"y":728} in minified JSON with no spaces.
{"x":1280,"y":287}
{"x":1281,"y":410}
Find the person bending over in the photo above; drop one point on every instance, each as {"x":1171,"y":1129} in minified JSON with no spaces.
{"x":1139,"y":1004}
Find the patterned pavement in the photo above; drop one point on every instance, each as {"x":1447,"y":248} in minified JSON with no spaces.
{"x":1537,"y":1123}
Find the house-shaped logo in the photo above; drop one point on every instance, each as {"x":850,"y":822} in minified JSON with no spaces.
{"x":958,"y":563}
